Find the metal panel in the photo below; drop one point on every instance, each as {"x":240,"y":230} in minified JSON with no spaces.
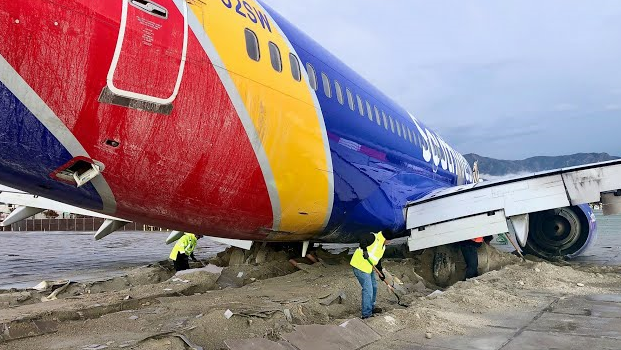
{"x":458,"y":230}
{"x":585,"y":186}
{"x":457,"y":214}
{"x":515,"y":198}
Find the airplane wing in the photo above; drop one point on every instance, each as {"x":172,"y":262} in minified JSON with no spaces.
{"x":29,"y":205}
{"x":489,"y":208}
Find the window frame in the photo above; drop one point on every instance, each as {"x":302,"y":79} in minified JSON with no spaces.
{"x":369,"y":110}
{"x":339,"y":92}
{"x":350,"y":99}
{"x":312,"y":78}
{"x":377,"y":116}
{"x":360,"y":105}
{"x":256,"y":41}
{"x":385,"y":120}
{"x":294,"y":58}
{"x":327,"y":87}
{"x":271,"y":45}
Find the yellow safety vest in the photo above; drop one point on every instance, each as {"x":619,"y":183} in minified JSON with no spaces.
{"x":376,"y":251}
{"x":185,"y":244}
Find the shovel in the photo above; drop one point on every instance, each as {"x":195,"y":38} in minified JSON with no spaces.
{"x":392,"y":289}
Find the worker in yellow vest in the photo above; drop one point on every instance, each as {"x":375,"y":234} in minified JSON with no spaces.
{"x":184,"y":249}
{"x":369,"y":254}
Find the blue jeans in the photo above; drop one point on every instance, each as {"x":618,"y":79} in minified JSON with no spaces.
{"x":369,"y":291}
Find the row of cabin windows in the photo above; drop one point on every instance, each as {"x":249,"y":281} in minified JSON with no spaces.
{"x":252,"y":47}
{"x":364,"y":107}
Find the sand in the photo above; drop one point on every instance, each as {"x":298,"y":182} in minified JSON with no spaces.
{"x":150,"y":307}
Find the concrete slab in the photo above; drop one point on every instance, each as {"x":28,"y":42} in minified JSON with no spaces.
{"x":584,"y":307}
{"x":611,"y":298}
{"x":361,"y":331}
{"x":577,"y":325}
{"x":536,"y":340}
{"x":385,"y":324}
{"x":510,"y":319}
{"x":254,"y":344}
{"x":476,"y":339}
{"x":352,"y":335}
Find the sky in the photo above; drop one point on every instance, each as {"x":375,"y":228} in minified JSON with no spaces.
{"x":506,"y":79}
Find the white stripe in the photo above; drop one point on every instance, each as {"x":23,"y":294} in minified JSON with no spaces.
{"x":20,"y":88}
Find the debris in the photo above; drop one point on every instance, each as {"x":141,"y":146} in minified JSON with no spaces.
{"x":330,"y":299}
{"x":45,"y":285}
{"x":391,"y":320}
{"x":521,"y":283}
{"x":54,"y":294}
{"x":287,"y":313}
{"x":134,"y":317}
{"x":228,"y":314}
{"x":435,"y":294}
{"x":537,"y":270}
{"x":127,"y":298}
{"x":599,"y":275}
{"x":199,"y":315}
{"x":428,"y":335}
{"x":580,"y":284}
{"x":95,"y":347}
{"x":167,"y":289}
{"x":240,"y":274}
{"x":188,"y":342}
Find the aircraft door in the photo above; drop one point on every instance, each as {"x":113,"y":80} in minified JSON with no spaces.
{"x":150,"y":51}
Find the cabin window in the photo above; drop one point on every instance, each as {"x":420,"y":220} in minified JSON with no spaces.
{"x":327,"y":89}
{"x":377,"y":116}
{"x":339,"y":92}
{"x":360,"y":105}
{"x":405,"y":136}
{"x":312,"y":77}
{"x":275,"y":57}
{"x":369,"y":111}
{"x":398,"y":127}
{"x":410,"y":135}
{"x":295,"y":67}
{"x":385,"y":120}
{"x":392,"y":124}
{"x":350,"y":100}
{"x":252,"y":45}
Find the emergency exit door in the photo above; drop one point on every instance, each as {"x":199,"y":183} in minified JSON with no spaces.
{"x":150,"y":51}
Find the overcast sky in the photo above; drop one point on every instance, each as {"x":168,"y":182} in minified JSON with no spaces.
{"x":507,"y":79}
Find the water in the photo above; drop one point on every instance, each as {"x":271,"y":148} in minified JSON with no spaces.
{"x":27,"y":258}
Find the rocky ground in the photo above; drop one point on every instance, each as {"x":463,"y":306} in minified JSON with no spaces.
{"x":266,"y":299}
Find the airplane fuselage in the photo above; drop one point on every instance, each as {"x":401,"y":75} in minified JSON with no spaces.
{"x":197,"y":125}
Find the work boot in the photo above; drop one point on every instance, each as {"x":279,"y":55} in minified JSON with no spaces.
{"x":377,"y":310}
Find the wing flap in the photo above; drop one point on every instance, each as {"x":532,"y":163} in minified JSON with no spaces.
{"x":465,"y":212}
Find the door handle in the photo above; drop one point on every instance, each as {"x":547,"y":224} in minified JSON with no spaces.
{"x":150,"y":7}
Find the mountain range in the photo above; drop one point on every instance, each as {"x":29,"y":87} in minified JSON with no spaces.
{"x":499,"y":167}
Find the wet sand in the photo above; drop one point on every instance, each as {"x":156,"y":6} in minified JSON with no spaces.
{"x":27,"y":258}
{"x":269,"y":304}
